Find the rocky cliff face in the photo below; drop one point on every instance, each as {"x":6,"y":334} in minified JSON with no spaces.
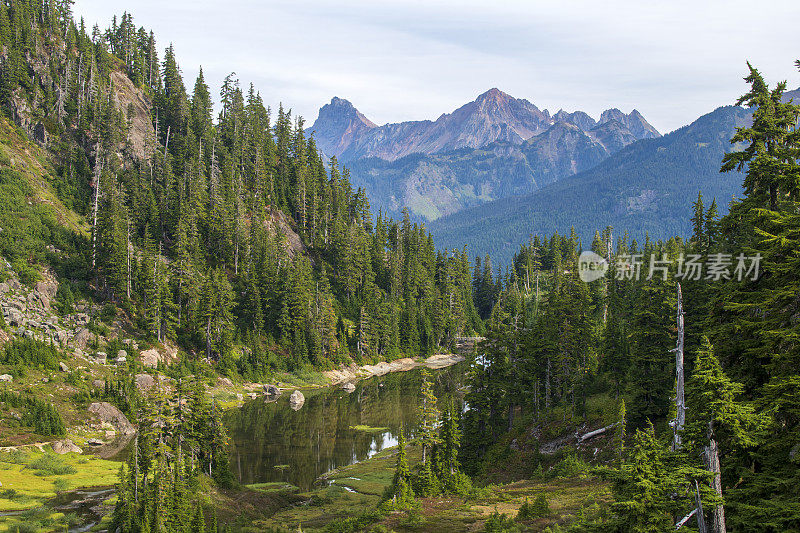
{"x":634,"y":121}
{"x":338,"y":124}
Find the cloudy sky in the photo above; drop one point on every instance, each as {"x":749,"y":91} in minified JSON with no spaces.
{"x":416,"y":59}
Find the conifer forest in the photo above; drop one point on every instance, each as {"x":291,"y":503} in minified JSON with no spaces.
{"x":219,"y":317}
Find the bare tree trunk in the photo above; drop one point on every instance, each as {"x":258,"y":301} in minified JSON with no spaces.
{"x":680,"y":416}
{"x":128,"y":257}
{"x":547,"y":387}
{"x":712,"y":465}
{"x":701,"y":521}
{"x":98,"y":169}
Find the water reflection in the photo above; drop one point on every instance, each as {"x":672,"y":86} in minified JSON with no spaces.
{"x":271,"y":442}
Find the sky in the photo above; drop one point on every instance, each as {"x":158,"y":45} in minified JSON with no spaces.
{"x":413,"y":60}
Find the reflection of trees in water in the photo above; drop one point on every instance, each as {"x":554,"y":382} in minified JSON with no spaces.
{"x":318,"y":438}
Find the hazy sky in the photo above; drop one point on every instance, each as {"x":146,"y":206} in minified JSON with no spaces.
{"x":409,"y":60}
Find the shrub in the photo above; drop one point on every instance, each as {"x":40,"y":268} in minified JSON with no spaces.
{"x":538,"y":509}
{"x":570,"y":466}
{"x":500,"y":523}
{"x":50,"y":464}
{"x":108,"y":313}
{"x":65,"y":298}
{"x":27,"y":274}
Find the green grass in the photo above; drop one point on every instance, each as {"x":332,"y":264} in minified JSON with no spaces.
{"x":369,"y":429}
{"x":35,"y":477}
{"x":275,"y":486}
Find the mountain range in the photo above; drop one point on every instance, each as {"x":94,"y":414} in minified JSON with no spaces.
{"x":494,"y":147}
{"x":646,"y":188}
{"x":498,"y":170}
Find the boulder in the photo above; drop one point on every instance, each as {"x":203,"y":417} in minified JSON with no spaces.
{"x":296,"y":400}
{"x":94,"y":442}
{"x":65,"y":446}
{"x":144,"y":382}
{"x":82,"y":338}
{"x":99,"y":384}
{"x":15,"y":317}
{"x":120,"y":360}
{"x":63,"y":366}
{"x":45,"y":291}
{"x":272,"y":390}
{"x":348,"y":387}
{"x":81,"y":319}
{"x":150,"y":358}
{"x":100,"y":357}
{"x":108,"y":413}
{"x":6,"y":377}
{"x":224,"y":382}
{"x":61,"y":336}
{"x":122,"y":353}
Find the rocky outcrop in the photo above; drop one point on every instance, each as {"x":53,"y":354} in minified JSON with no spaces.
{"x":296,"y":400}
{"x":6,"y":377}
{"x":131,"y":100}
{"x":65,"y":446}
{"x":144,"y":382}
{"x":348,"y":387}
{"x":272,"y":391}
{"x":108,"y":413}
{"x":150,"y":358}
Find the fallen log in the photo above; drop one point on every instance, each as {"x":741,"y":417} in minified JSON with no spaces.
{"x":596,"y":432}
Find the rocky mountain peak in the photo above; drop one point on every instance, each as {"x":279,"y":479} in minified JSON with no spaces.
{"x":634,"y":121}
{"x":337,"y":125}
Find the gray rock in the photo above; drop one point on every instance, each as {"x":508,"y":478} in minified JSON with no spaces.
{"x":15,"y":317}
{"x":108,"y":413}
{"x":144,"y":382}
{"x":94,"y":442}
{"x":61,"y":336}
{"x":6,"y":377}
{"x":272,"y":390}
{"x":99,"y":384}
{"x":122,"y":353}
{"x":348,"y":387}
{"x":296,"y":400}
{"x":82,"y":338}
{"x":120,"y":360}
{"x":65,"y":446}
{"x":81,"y":319}
{"x":63,"y":366}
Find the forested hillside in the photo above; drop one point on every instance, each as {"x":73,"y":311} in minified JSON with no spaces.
{"x":226,"y":234}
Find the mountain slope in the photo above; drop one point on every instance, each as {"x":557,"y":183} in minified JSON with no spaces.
{"x":494,"y":147}
{"x":648,"y":186}
{"x":435,"y":185}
